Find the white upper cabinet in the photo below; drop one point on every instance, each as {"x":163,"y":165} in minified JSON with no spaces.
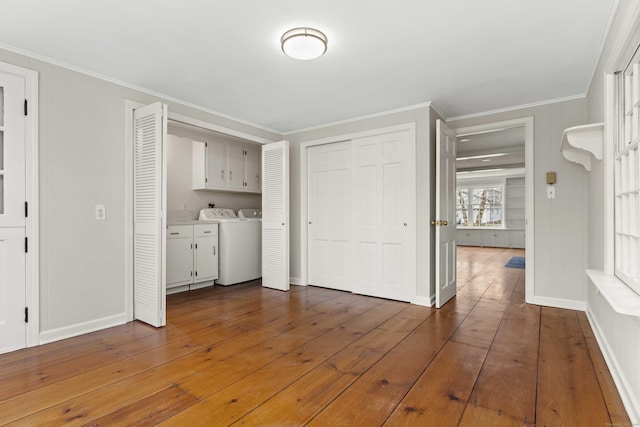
{"x":253,"y":180}
{"x":230,"y":166}
{"x":235,"y":163}
{"x":216,"y":155}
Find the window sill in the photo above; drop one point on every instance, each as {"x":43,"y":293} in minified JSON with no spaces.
{"x":621,"y":298}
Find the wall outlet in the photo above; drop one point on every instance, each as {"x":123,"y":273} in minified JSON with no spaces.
{"x":551,"y":192}
{"x":101,"y":213}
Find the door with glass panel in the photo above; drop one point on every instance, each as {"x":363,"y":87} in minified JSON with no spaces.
{"x":12,"y":213}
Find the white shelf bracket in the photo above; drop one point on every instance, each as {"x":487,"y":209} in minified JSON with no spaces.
{"x":582,"y":143}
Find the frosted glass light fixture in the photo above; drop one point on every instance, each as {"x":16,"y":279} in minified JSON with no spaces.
{"x":304,"y":43}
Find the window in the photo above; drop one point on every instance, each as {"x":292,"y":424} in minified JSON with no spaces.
{"x":479,"y":206}
{"x":627,"y":176}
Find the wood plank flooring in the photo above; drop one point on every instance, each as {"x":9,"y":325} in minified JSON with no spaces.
{"x":245,"y":355}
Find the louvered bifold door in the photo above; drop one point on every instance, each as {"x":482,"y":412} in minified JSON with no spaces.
{"x":149,"y":194}
{"x":275,"y":215}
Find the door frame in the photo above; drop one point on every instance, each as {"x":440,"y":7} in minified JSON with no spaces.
{"x":129,"y":106}
{"x":303,"y":280}
{"x":528,"y":124}
{"x":32,"y":197}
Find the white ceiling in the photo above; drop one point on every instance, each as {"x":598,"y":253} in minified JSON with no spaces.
{"x":502,"y":148}
{"x":465,"y":56}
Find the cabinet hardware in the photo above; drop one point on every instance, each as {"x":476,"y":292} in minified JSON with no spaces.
{"x":173,"y":234}
{"x":214,"y":250}
{"x":405,"y":224}
{"x":433,"y":222}
{"x":230,"y":175}
{"x":222,"y":174}
{"x":207,"y":232}
{"x":445,"y":222}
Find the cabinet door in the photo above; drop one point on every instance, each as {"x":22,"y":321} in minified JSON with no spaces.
{"x":179,"y":262}
{"x":502,"y":238}
{"x":206,"y":258}
{"x":198,"y":164}
{"x":216,"y":159}
{"x":517,"y":239}
{"x":252,"y":169}
{"x":235,"y":166}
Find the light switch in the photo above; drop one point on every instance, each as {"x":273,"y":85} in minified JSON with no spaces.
{"x":101,"y":212}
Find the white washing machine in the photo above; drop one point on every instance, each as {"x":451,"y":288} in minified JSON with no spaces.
{"x":240,"y":243}
{"x":250,"y":213}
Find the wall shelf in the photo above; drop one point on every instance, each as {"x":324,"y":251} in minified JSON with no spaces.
{"x":582,"y":143}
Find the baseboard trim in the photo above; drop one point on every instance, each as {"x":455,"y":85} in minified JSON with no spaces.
{"x":82,"y":328}
{"x":423,"y":301}
{"x":297,"y":281}
{"x":631,"y":403}
{"x":561,"y":303}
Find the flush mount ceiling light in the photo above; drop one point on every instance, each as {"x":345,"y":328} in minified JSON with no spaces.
{"x":304,"y":43}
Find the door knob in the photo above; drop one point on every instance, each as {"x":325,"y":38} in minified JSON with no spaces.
{"x":445,"y":222}
{"x":433,"y":222}
{"x":405,"y":224}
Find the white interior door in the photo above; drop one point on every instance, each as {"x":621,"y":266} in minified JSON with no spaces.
{"x":383,"y":216}
{"x":275,"y":215}
{"x":445,"y":224}
{"x":329,"y":214}
{"x":149,"y":212}
{"x":12,"y":213}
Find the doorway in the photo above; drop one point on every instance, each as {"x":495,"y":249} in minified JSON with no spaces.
{"x":494,"y":195}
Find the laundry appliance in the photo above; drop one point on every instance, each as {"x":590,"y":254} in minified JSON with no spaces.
{"x":240,"y":243}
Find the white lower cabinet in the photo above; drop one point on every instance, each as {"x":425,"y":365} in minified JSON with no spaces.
{"x":179,"y":255}
{"x":192,"y":256}
{"x":491,"y":238}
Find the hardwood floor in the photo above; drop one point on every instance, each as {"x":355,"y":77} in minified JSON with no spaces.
{"x":245,"y":355}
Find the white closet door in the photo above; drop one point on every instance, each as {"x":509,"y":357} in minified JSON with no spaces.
{"x":445,"y":214}
{"x":13,"y":329}
{"x":150,"y":173}
{"x":12,"y":154}
{"x":329,"y":228}
{"x":275,"y":215}
{"x":384,"y":216}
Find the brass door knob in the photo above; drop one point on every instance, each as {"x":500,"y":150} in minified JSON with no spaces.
{"x":444,"y":222}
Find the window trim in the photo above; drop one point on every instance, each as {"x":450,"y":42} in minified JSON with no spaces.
{"x":619,"y":133}
{"x":623,"y":48}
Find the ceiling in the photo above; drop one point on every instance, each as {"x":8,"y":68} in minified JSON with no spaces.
{"x":503,"y":148}
{"x":464,"y":56}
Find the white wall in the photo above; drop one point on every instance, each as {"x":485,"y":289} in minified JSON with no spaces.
{"x":179,"y":177}
{"x":618,"y":334}
{"x":422,"y":117}
{"x":82,"y":158}
{"x":561,"y":227}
